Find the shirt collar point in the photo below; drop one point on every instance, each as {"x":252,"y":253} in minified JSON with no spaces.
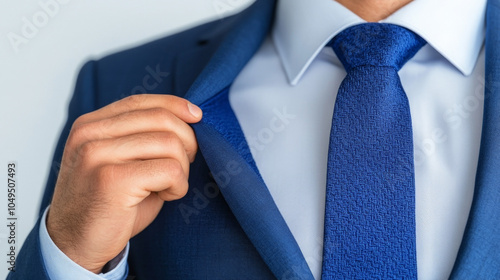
{"x":464,"y":61}
{"x":293,"y":81}
{"x":293,"y":76}
{"x":465,"y":69}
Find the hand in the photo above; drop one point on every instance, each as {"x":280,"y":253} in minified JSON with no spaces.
{"x":119,"y":165}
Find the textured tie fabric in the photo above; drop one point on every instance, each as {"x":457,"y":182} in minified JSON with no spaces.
{"x":370,"y":194}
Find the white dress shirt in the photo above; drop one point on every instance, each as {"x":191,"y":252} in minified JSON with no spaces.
{"x":284,"y":100}
{"x":294,"y":73}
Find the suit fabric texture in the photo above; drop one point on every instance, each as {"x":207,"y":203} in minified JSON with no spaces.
{"x":227,"y":226}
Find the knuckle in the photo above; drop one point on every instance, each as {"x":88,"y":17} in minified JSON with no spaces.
{"x":182,"y":190}
{"x":180,"y":102}
{"x":192,"y":144}
{"x":104,"y":125}
{"x":177,"y":103}
{"x":104,"y":175}
{"x":88,"y":149}
{"x":172,"y":141}
{"x":175,"y":171}
{"x":87,"y":154}
{"x":166,"y":196}
{"x":135,"y":100}
{"x":172,"y":98}
{"x":82,"y":119}
{"x":175,"y":192}
{"x":176,"y":175}
{"x":162,"y":115}
{"x":80,"y":133}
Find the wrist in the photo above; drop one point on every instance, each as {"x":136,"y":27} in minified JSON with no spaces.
{"x":68,"y":243}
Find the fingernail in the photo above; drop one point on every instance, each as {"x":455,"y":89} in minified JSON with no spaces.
{"x":194,"y":110}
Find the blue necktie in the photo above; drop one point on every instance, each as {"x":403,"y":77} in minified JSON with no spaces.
{"x":370,"y":194}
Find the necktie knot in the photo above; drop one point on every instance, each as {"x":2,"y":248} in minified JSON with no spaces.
{"x":376,"y":44}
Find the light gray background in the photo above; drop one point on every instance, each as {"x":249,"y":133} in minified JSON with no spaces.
{"x":37,"y":76}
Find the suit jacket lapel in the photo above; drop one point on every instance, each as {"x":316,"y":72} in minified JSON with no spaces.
{"x":479,"y":255}
{"x":226,"y":152}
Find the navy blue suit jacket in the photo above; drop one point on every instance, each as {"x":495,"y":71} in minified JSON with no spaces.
{"x":227,"y":226}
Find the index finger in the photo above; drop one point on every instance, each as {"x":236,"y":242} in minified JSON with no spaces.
{"x":180,"y":107}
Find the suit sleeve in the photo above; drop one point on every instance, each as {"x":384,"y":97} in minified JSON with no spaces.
{"x":30,"y":263}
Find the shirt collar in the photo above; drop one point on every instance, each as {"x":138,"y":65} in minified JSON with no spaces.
{"x":455,"y":28}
